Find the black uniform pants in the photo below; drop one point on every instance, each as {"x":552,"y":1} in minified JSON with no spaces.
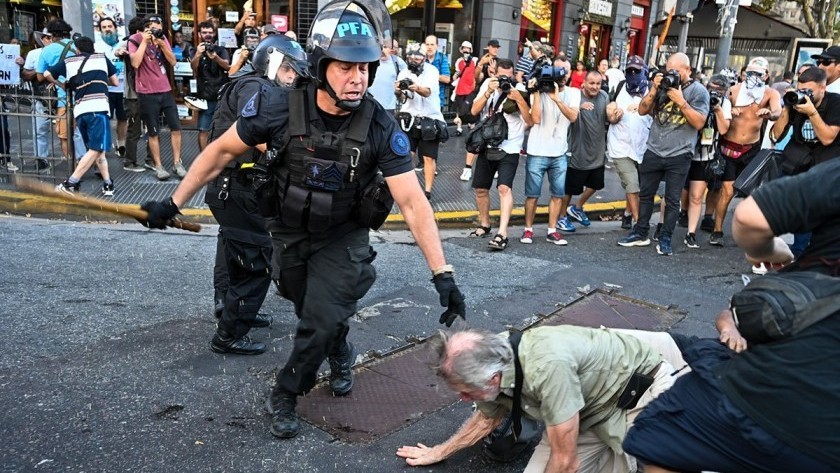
{"x":133,"y":132}
{"x":324,"y":276}
{"x":242,"y":274}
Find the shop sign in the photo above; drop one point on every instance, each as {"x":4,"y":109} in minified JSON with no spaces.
{"x":600,"y":7}
{"x":281,"y":22}
{"x":636,"y":10}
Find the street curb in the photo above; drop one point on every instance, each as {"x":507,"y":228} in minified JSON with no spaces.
{"x":34,"y":205}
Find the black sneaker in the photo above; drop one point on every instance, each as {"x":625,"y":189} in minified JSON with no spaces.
{"x":716,"y":239}
{"x":68,"y":188}
{"x":691,"y":241}
{"x":108,"y":189}
{"x":284,"y":422}
{"x":341,"y":372}
{"x":657,"y":232}
{"x":222,"y":342}
{"x":121,"y":151}
{"x":682,"y":221}
{"x":627,"y":222}
{"x":42,"y":165}
{"x":707,"y":224}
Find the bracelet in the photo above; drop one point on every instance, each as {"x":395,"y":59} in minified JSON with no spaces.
{"x":447,"y":268}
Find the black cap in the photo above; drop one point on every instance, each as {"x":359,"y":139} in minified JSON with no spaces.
{"x":153,"y":18}
{"x":58,"y":26}
{"x":830,"y":53}
{"x":494,"y":43}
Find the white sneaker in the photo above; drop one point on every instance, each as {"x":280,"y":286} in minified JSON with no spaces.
{"x":10,"y":166}
{"x":760,"y":269}
{"x":179,"y":169}
{"x":466,"y":175}
{"x":161,"y":173}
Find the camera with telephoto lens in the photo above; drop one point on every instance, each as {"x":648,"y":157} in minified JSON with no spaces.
{"x":549,"y":76}
{"x":797,"y":97}
{"x":157,"y":33}
{"x":505,"y":83}
{"x":671,"y":80}
{"x":715,"y":98}
{"x":404,"y":84}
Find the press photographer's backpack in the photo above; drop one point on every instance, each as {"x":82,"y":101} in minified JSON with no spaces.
{"x":777,"y":306}
{"x":490,"y":131}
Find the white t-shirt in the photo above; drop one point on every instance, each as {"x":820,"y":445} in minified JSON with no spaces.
{"x":614,"y":76}
{"x":628,"y":138}
{"x":119,"y":65}
{"x":515,"y":122}
{"x":834,"y":86}
{"x":706,"y":150}
{"x":550,"y":137}
{"x":32,"y":59}
{"x":418,"y":105}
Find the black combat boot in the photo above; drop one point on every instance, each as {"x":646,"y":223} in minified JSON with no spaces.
{"x":223,"y":342}
{"x":261,"y":320}
{"x":341,"y":374}
{"x":284,"y":422}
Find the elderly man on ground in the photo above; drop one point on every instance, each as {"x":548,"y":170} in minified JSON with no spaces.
{"x":586,"y":385}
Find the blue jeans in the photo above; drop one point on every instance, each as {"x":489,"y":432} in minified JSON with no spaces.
{"x":673,"y":171}
{"x":41,"y":129}
{"x":537,"y":166}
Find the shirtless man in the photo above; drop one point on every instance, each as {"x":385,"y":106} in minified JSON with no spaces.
{"x":752,"y":103}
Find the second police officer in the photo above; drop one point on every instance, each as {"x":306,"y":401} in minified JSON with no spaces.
{"x":329,"y":141}
{"x":242,"y":272}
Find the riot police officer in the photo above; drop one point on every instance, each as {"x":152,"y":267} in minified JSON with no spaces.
{"x":242,"y":273}
{"x":326,"y":144}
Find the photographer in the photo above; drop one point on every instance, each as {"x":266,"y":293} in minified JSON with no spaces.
{"x":242,"y":56}
{"x":700,"y":175}
{"x":420,"y":116}
{"x":553,"y":108}
{"x":814,"y":115}
{"x":498,"y":95}
{"x":679,"y":107}
{"x":486,"y":66}
{"x":151,"y":54}
{"x":210,"y":66}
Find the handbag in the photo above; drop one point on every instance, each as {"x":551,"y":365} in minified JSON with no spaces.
{"x":489,"y":132}
{"x":494,"y":154}
{"x":763,"y":167}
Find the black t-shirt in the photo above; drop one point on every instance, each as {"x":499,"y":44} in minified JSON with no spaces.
{"x":805,"y":139}
{"x":266,"y":115}
{"x":210,"y":76}
{"x":808,"y":202}
{"x":791,"y":387}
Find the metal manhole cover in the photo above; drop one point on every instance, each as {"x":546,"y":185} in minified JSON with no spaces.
{"x":599,"y":308}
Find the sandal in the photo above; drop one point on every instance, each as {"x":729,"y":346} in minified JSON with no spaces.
{"x":498,"y":243}
{"x":484,"y":231}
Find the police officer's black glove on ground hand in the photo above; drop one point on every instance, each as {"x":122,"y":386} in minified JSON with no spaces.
{"x":450,"y":297}
{"x":160,"y":213}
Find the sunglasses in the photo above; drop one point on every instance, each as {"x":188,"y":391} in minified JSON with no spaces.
{"x":632,"y":72}
{"x":826,"y":62}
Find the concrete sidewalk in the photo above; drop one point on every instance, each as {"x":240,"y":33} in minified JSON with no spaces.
{"x":452,"y":199}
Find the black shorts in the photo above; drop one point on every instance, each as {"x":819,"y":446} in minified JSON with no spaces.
{"x":463,"y":104}
{"x":734,"y":167}
{"x":117,"y":105}
{"x":484,"y":171}
{"x":428,"y":149}
{"x":152,"y":105}
{"x":577,"y":179}
{"x":697,"y":172}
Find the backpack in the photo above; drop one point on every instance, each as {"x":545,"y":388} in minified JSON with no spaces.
{"x":777,"y":306}
{"x":490,"y":131}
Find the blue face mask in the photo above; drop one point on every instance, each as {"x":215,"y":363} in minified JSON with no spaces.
{"x":637,"y":84}
{"x":110,"y":38}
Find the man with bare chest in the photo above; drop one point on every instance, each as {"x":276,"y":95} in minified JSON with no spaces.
{"x":752,"y":104}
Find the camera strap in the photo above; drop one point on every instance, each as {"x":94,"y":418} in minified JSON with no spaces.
{"x":494,"y":107}
{"x":516,"y":408}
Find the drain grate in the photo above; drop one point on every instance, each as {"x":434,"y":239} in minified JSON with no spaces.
{"x":398,"y":390}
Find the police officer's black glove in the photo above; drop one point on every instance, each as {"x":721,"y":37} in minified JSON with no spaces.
{"x":450,"y":297}
{"x":160,"y":213}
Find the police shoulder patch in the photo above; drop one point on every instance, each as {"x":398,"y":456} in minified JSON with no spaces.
{"x":400,"y":144}
{"x":252,"y":108}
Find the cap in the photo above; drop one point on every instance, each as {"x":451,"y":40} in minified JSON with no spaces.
{"x":415,"y":51}
{"x":494,"y":43}
{"x":758,"y":64}
{"x":152,"y":19}
{"x":269,"y":29}
{"x":830,"y":53}
{"x":251,"y":32}
{"x":466,"y":44}
{"x":635,"y":62}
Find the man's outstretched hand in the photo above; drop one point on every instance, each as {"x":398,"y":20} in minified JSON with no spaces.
{"x":419,"y":455}
{"x":160,"y":213}
{"x":450,"y":297}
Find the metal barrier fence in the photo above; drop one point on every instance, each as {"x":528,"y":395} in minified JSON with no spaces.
{"x":29,"y":142}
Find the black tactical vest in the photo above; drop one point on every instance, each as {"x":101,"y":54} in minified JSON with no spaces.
{"x":319,"y":180}
{"x":227,"y":112}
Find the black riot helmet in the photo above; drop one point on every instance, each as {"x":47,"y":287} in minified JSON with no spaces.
{"x":277,"y":50}
{"x":350,"y":31}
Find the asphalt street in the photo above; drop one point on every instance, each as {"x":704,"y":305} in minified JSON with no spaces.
{"x":106,"y":365}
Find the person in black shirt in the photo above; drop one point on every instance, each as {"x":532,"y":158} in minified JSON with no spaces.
{"x":326,"y":143}
{"x":210,"y":65}
{"x":773,"y":406}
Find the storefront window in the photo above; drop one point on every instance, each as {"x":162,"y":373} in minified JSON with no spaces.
{"x":536,"y":20}
{"x":454,"y":23}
